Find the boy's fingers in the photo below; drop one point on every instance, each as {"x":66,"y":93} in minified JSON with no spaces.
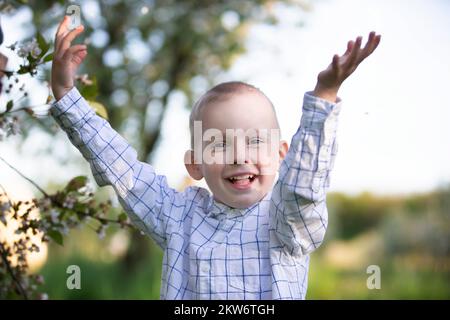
{"x":335,"y":62}
{"x":67,"y":40}
{"x":371,"y":45}
{"x":76,"y":54}
{"x":355,"y":51}
{"x":370,"y":41}
{"x":70,"y":36}
{"x":377,"y":42}
{"x":74,"y":49}
{"x":61,"y":31}
{"x":349,"y":47}
{"x":62,"y":27}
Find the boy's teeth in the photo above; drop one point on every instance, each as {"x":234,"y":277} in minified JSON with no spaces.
{"x":242,"y":177}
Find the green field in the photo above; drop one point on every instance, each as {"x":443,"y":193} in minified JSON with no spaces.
{"x":406,"y":237}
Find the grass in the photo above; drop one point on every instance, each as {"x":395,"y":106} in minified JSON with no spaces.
{"x":326,"y":282}
{"x":103,"y":280}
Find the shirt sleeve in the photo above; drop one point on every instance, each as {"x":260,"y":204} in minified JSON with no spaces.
{"x":145,"y":196}
{"x":299,"y":214}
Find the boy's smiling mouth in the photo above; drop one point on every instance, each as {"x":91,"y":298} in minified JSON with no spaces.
{"x":241,"y":181}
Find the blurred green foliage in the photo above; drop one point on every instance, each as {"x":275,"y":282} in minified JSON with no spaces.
{"x":408,"y":237}
{"x":104,"y":280}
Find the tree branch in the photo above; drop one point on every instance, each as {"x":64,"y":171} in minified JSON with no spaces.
{"x":26,"y":178}
{"x":11,"y":272}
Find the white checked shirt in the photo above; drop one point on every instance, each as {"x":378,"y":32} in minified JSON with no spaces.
{"x":212,"y":251}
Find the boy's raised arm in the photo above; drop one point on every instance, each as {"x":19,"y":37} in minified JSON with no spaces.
{"x":299,"y":214}
{"x":341,"y":67}
{"x":151,"y":204}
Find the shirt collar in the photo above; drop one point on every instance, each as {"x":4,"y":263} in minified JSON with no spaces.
{"x":219,"y":210}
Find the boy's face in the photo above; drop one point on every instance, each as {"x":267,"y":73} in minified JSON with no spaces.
{"x":241,"y":162}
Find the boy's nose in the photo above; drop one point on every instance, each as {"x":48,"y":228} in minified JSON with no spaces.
{"x":240,"y":156}
{"x":243,"y":161}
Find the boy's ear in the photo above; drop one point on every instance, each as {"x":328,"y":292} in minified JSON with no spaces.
{"x":283,"y":149}
{"x":192,"y":168}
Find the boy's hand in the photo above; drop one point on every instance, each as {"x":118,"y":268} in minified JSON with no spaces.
{"x":330,"y":80}
{"x":66,"y":59}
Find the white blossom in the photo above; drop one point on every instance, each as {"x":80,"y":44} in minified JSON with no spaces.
{"x":43,"y":296}
{"x":84,"y":79}
{"x":69,"y":202}
{"x":45,"y":203}
{"x":2,"y":134}
{"x":87,"y":189}
{"x":64,"y":228}
{"x":14,"y":127}
{"x":29,"y":47}
{"x":11,"y":126}
{"x":54,"y":215}
{"x":40,"y":279}
{"x":35,"y":248}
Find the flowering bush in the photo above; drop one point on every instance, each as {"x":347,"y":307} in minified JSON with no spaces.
{"x":57,"y":213}
{"x":51,"y":216}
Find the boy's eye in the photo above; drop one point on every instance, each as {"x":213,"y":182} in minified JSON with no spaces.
{"x":220,"y":145}
{"x":255,"y":141}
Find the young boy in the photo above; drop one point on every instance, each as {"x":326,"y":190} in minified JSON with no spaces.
{"x":250,"y":239}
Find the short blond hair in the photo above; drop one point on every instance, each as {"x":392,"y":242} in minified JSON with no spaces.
{"x":218,"y":93}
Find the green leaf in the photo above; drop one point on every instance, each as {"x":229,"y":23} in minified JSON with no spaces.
{"x":76,"y":183}
{"x":48,"y":57}
{"x":23,"y":69}
{"x":99,"y":109}
{"x":80,"y":207}
{"x":43,"y":45}
{"x":123,"y":217}
{"x":31,"y":59}
{"x":90,"y":92}
{"x":9,"y":105}
{"x":56,"y":236}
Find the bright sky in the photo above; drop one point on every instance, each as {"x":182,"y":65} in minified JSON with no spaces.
{"x":393,"y":131}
